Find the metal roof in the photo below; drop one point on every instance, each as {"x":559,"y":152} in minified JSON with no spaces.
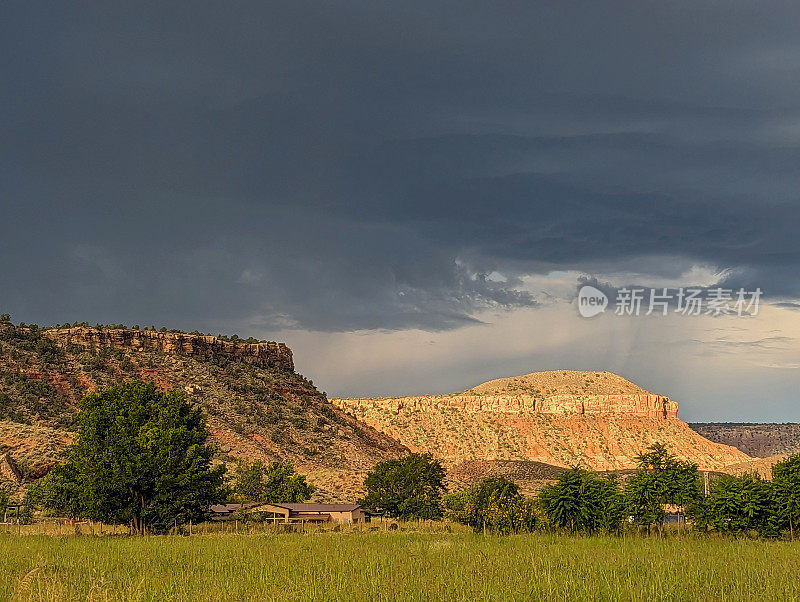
{"x":319,"y":507}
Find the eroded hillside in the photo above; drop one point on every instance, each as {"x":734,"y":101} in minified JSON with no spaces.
{"x":594,"y":419}
{"x":257,"y":406}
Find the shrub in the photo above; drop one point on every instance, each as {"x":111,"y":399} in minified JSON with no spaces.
{"x":493,"y":504}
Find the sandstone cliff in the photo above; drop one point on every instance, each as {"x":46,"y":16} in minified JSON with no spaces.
{"x":595,"y":419}
{"x":648,"y":405}
{"x":262,"y":354}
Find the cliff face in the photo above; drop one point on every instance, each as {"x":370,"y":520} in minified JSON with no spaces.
{"x":262,"y":354}
{"x":645,"y":405}
{"x":596,"y":420}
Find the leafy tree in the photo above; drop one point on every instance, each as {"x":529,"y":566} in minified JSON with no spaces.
{"x":786,"y":482}
{"x":493,"y":504}
{"x":738,"y":505}
{"x":490,"y":494}
{"x":660,"y":479}
{"x":28,"y":506}
{"x":580,"y":501}
{"x":58,"y":491}
{"x":645,"y":498}
{"x":139,"y":459}
{"x":505,"y":515}
{"x":406,"y":488}
{"x":456,"y":506}
{"x":275,"y":483}
{"x":607,"y":496}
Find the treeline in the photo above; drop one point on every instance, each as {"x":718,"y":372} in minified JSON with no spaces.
{"x":583,"y":502}
{"x":5,"y":319}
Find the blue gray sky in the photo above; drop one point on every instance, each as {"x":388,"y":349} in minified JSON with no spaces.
{"x":409,"y":193}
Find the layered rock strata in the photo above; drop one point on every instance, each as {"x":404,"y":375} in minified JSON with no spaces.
{"x":645,"y":405}
{"x":262,"y":354}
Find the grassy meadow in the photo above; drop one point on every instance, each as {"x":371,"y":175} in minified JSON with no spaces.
{"x":409,"y":564}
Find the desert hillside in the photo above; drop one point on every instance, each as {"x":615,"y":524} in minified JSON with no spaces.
{"x":594,"y":419}
{"x":257,"y":405}
{"x":758,"y":440}
{"x":760,"y":466}
{"x":561,"y":382}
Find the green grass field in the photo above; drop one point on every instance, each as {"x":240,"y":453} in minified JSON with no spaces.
{"x":395,"y":565}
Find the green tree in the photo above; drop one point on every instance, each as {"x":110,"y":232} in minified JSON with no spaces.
{"x":580,"y":501}
{"x":489,"y":494}
{"x":277,"y":482}
{"x":607,"y":497}
{"x":494,"y":504}
{"x":27,"y":508}
{"x":506,"y":515}
{"x":660,"y":479}
{"x":786,"y":481}
{"x":140,"y":459}
{"x":406,"y":488}
{"x":58,"y":491}
{"x":738,"y":505}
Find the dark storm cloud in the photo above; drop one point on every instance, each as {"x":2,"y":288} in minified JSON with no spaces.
{"x":367,"y":165}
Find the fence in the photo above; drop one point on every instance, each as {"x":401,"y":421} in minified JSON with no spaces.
{"x":61,"y":527}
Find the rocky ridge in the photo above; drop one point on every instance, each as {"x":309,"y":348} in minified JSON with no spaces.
{"x":758,"y":440}
{"x":647,"y":405}
{"x":263,"y":354}
{"x":595,"y":419}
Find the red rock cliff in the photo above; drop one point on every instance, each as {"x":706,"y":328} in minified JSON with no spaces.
{"x":646,"y":405}
{"x":263,"y":354}
{"x":598,"y":420}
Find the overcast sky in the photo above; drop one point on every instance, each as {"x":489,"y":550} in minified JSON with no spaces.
{"x":408,"y":194}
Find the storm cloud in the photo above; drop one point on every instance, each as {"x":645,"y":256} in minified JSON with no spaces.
{"x":390,"y":166}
